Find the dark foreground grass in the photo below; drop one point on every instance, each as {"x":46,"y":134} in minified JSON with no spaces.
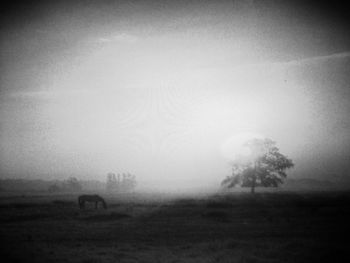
{"x":267,"y":227}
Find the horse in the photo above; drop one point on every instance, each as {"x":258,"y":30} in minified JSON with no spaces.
{"x":91,"y":198}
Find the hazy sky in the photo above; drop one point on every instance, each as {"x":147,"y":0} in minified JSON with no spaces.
{"x":158,"y":88}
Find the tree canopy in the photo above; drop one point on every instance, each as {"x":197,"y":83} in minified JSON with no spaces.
{"x":265,"y":166}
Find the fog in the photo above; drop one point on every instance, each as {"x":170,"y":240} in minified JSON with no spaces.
{"x":163,"y":89}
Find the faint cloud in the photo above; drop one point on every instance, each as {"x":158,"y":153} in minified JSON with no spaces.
{"x":42,"y":31}
{"x":317,"y":58}
{"x":103,"y":40}
{"x":119,"y":38}
{"x":296,"y":62}
{"x":48,"y":94}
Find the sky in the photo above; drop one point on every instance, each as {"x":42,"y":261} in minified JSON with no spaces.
{"x":160,"y":89}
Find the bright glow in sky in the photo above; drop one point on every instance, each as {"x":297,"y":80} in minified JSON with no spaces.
{"x":169,"y":94}
{"x":235,"y":147}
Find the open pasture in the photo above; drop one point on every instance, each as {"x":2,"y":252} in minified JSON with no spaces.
{"x":266,"y":227}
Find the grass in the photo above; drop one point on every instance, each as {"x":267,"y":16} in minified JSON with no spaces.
{"x":106,"y":217}
{"x":267,"y":227}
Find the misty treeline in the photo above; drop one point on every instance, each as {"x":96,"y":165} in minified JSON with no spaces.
{"x":125,"y":182}
{"x":71,"y":184}
{"x":114,"y":184}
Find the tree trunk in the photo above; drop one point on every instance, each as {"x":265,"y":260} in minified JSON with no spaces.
{"x":252,"y":190}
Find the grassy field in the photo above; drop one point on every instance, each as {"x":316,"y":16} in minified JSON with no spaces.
{"x":267,"y":227}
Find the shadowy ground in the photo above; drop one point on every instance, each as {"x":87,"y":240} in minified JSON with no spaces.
{"x":267,"y":227}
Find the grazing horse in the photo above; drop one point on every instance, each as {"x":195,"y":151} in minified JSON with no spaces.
{"x":91,"y":198}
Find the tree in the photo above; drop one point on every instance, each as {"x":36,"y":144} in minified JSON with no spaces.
{"x":122,"y":183}
{"x":54,"y":188}
{"x":112,"y":183}
{"x":129,"y":182}
{"x":265,"y":166}
{"x":72,"y":184}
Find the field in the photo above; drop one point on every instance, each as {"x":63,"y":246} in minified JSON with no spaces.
{"x":239,"y":227}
